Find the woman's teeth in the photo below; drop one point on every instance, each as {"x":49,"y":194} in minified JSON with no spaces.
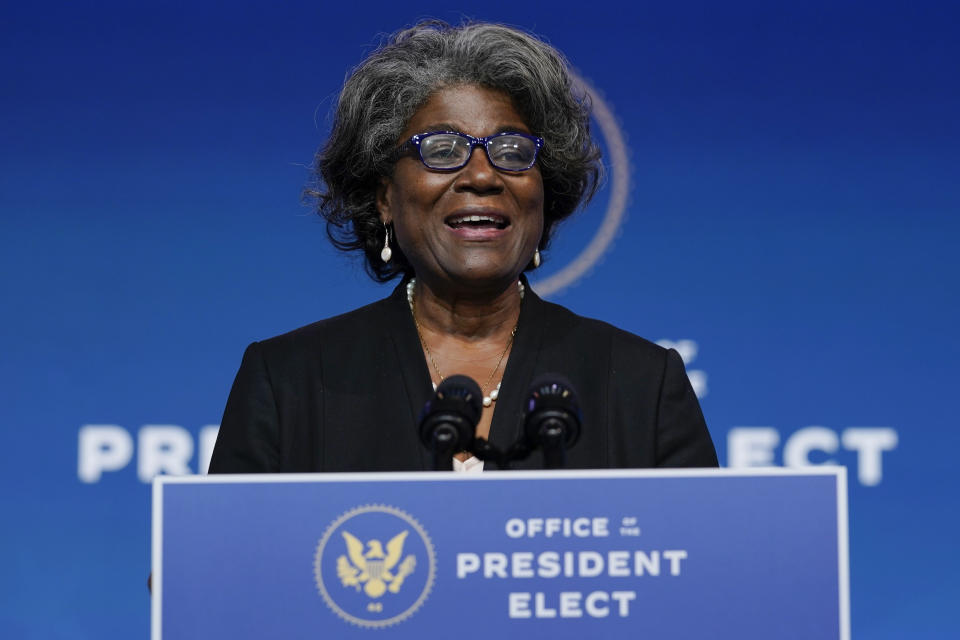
{"x":478,"y":220}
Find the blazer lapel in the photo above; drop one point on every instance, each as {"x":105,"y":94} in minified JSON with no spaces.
{"x":508,"y":412}
{"x":410,"y":363}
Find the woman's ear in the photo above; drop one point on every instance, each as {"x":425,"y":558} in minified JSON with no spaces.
{"x":383,"y":200}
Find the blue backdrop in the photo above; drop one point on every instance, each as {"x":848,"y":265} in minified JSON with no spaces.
{"x":782,"y":181}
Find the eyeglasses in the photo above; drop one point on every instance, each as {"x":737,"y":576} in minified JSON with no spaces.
{"x":451,"y":150}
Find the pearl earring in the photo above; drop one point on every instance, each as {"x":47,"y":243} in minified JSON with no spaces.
{"x":536,"y":258}
{"x":386,"y":253}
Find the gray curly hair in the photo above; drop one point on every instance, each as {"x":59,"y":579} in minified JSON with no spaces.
{"x":385,"y":90}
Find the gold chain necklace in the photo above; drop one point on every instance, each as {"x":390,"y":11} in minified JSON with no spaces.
{"x":494,"y":393}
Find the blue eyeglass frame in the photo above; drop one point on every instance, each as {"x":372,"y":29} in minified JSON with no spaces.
{"x":414,"y":142}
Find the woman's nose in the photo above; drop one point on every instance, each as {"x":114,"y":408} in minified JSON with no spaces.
{"x":479,"y":174}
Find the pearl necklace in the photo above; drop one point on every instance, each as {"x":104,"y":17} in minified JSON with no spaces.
{"x":495,"y":393}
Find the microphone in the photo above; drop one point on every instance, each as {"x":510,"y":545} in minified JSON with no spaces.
{"x":552,"y":419}
{"x":449,"y":419}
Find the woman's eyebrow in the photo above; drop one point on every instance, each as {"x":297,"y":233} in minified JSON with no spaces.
{"x":509,"y":129}
{"x":506,"y":128}
{"x":441,"y":126}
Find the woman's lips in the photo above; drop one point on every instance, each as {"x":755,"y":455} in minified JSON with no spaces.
{"x":478,"y":225}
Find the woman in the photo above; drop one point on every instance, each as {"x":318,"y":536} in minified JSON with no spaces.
{"x":454,"y":153}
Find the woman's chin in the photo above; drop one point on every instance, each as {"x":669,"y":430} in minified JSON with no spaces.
{"x":482,"y":275}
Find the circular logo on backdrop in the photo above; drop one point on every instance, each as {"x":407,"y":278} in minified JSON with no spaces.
{"x":619,"y":190}
{"x":374,"y":566}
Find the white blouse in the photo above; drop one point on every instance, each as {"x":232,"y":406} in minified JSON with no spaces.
{"x":470,"y":465}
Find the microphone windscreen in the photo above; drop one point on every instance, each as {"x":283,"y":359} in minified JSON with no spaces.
{"x":463,"y":389}
{"x":552,"y":396}
{"x":454,"y":409}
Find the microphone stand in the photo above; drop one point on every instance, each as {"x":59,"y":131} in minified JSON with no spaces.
{"x":484,"y":450}
{"x":441,"y":447}
{"x":553,"y":440}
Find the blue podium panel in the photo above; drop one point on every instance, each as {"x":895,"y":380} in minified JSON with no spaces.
{"x":570,"y":554}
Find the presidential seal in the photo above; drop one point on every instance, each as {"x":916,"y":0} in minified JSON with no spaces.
{"x":374,"y":566}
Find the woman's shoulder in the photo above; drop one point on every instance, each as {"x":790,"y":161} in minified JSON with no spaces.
{"x":350,"y":327}
{"x":565,"y":325}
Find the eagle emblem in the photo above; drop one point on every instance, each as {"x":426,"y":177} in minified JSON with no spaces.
{"x":373,"y":570}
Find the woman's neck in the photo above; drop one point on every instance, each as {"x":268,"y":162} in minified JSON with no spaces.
{"x":470,"y":316}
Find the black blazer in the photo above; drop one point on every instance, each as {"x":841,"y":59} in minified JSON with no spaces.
{"x":345,"y":394}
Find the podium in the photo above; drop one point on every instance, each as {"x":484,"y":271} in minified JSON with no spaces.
{"x":689,"y":553}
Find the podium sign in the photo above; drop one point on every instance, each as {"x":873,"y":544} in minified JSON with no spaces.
{"x":566,"y":554}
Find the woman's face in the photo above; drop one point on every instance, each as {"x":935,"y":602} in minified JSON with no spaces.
{"x":427,"y":207}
